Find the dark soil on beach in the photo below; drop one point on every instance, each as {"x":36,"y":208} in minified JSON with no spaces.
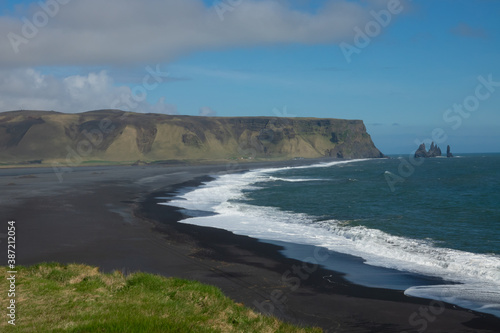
{"x":110,"y":217}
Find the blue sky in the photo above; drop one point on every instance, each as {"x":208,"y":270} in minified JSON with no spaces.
{"x":269,"y":58}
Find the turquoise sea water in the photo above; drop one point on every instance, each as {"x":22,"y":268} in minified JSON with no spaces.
{"x":441,"y":218}
{"x":453,"y":203}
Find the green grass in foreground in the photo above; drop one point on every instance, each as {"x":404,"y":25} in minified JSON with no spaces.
{"x":78,"y":298}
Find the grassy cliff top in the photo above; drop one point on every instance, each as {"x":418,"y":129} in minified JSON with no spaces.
{"x":78,"y":298}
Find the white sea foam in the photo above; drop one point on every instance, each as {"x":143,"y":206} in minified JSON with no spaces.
{"x":225,"y":197}
{"x":296,"y":180}
{"x":479,"y":297}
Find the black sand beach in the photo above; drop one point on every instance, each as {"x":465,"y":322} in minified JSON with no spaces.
{"x":109,"y":217}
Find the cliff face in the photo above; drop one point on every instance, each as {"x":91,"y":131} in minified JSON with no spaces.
{"x":111,"y":135}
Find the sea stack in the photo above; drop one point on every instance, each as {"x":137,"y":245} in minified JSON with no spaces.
{"x":448,"y":152}
{"x":434,"y":151}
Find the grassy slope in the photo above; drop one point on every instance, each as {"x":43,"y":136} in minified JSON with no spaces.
{"x":77,"y":298}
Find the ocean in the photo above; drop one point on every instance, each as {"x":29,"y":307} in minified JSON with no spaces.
{"x":432,"y":230}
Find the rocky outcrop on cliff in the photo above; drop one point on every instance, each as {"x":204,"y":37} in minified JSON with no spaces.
{"x":118,"y":136}
{"x":433,"y":151}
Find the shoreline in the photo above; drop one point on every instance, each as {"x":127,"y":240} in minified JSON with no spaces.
{"x":109,"y":217}
{"x":314,"y":278}
{"x":354,"y":272}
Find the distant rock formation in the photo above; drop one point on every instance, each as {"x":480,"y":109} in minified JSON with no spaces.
{"x":421,"y":151}
{"x":448,"y":152}
{"x":434,"y":151}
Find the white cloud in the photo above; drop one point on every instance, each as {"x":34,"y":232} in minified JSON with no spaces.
{"x":465,"y":30}
{"x":29,"y":89}
{"x":161,"y":107}
{"x":95,"y":32}
{"x":205,"y":111}
{"x":132,"y":33}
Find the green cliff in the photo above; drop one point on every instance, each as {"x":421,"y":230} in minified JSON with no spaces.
{"x":110,"y":135}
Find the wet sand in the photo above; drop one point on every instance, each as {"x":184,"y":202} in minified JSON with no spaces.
{"x":109,"y":217}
